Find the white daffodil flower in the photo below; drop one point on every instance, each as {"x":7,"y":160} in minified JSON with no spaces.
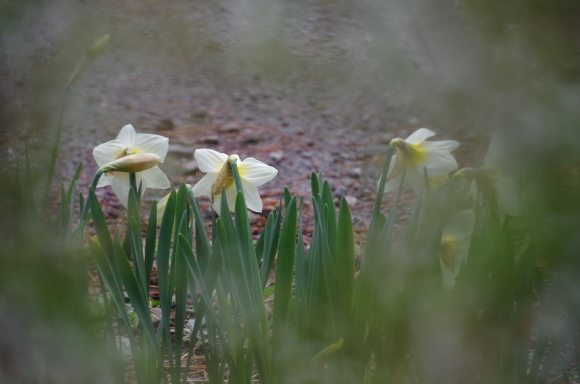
{"x":417,"y":156}
{"x":455,"y":244}
{"x":253,"y":173}
{"x":126,"y":144}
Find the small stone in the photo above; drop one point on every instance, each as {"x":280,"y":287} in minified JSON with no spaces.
{"x":340,"y":191}
{"x":252,"y":138}
{"x":351,"y":200}
{"x":199,"y":114}
{"x":357,"y":172}
{"x":190,"y":167}
{"x":183,"y":150}
{"x":276,"y":156}
{"x":253,"y":217}
{"x":211,"y":139}
{"x":385,"y":138}
{"x":165,"y":124}
{"x":413,"y":120}
{"x":232,"y":126}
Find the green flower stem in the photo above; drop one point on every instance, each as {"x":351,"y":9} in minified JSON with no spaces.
{"x":55,"y":147}
{"x":96,"y":179}
{"x":85,"y":211}
{"x":236,"y":174}
{"x":133,"y":183}
{"x":383,"y":180}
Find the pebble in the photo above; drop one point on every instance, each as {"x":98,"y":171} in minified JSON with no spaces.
{"x":351,"y":200}
{"x":211,"y":139}
{"x":356,"y":173}
{"x":385,"y":138}
{"x":181,"y":150}
{"x":165,"y":124}
{"x":199,"y":114}
{"x":253,"y":217}
{"x":341,"y":190}
{"x":190,"y":167}
{"x":252,"y":139}
{"x":232,"y":126}
{"x":276,"y":156}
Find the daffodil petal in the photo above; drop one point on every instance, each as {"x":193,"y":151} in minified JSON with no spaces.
{"x":161,"y":205}
{"x":393,"y":184}
{"x":445,"y":145}
{"x":460,"y":225}
{"x":107,"y":152}
{"x":155,"y":178}
{"x":148,"y":143}
{"x":217,"y":204}
{"x":127,"y":136}
{"x":416,"y":179}
{"x":439,"y":163}
{"x":120,"y":185}
{"x":105,"y":180}
{"x":252,"y":196}
{"x":256,"y":172}
{"x":203,"y":187}
{"x":494,"y":150}
{"x":231,"y":194}
{"x":391,"y":166}
{"x":419,"y":136}
{"x":209,"y":160}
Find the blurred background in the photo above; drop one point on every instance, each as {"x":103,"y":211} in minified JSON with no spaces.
{"x":331,"y":81}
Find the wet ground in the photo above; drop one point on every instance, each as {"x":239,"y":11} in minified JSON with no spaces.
{"x":294,"y":85}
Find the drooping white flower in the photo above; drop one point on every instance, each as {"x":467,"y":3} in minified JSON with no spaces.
{"x":253,"y":173}
{"x":417,"y":156}
{"x":126,"y":144}
{"x":454,"y":247}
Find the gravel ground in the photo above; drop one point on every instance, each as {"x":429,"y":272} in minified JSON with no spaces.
{"x":293,"y":85}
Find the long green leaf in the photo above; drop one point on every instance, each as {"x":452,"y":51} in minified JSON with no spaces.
{"x":284,"y":275}
{"x":345,"y":254}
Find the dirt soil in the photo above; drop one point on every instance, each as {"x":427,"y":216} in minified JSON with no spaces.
{"x":297,"y":96}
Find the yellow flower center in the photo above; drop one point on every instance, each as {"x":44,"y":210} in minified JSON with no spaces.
{"x":417,"y":154}
{"x":126,"y":152}
{"x":448,"y":251}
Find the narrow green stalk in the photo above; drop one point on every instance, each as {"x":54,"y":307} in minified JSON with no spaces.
{"x":381,"y":189}
{"x":55,"y":147}
{"x":133,"y":184}
{"x":237,"y":179}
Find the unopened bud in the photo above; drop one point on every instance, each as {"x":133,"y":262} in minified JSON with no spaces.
{"x":92,"y":53}
{"x":132,"y":163}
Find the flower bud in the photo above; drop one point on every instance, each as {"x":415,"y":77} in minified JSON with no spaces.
{"x":132,"y":163}
{"x":92,"y":53}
